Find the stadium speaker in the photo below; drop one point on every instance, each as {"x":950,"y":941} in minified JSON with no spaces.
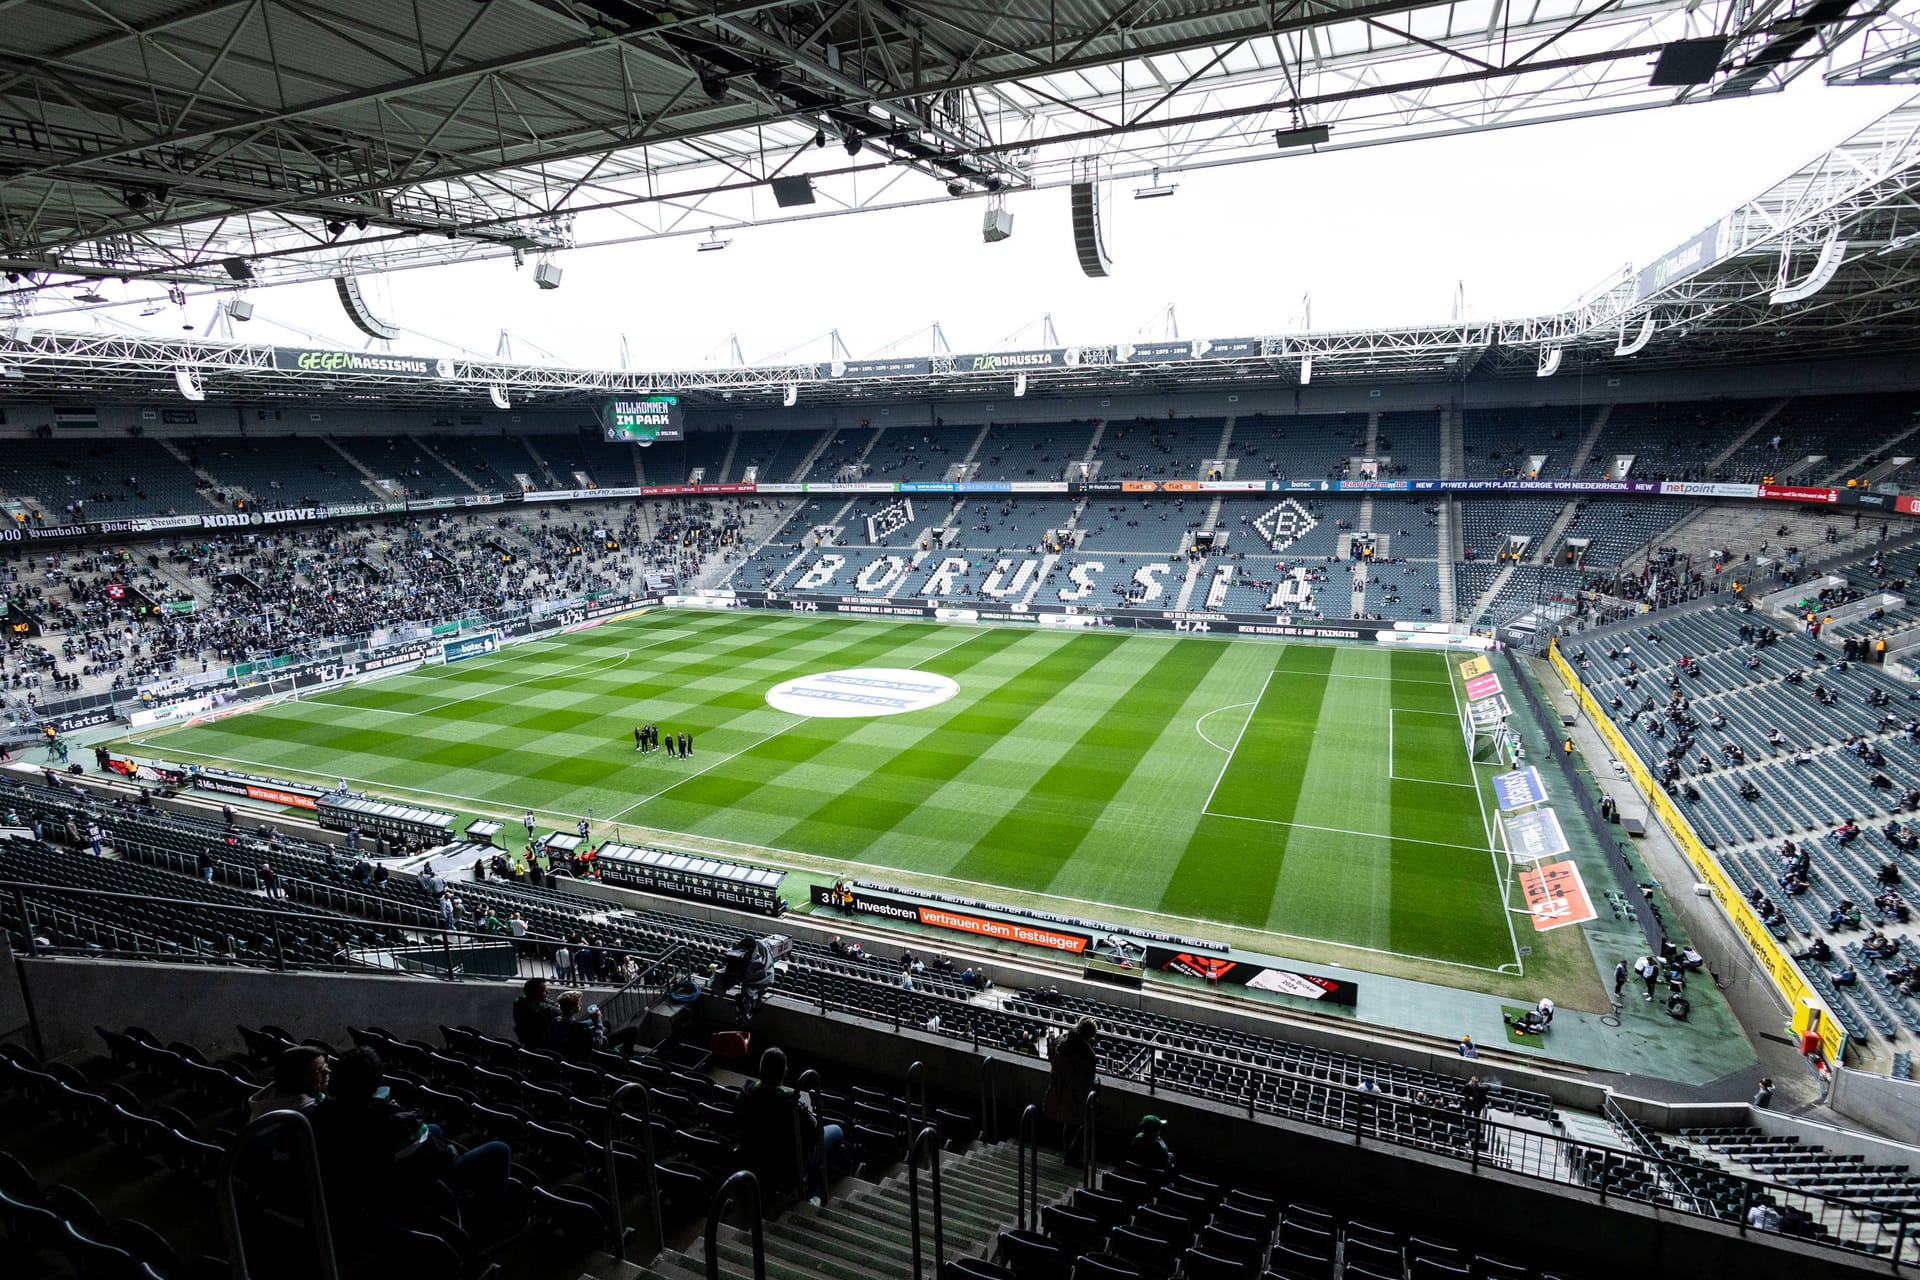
{"x":546,"y":275}
{"x":238,"y":268}
{"x":997,"y":225}
{"x":789,"y":192}
{"x":240,"y":309}
{"x":1088,"y":243}
{"x":348,"y":287}
{"x":1688,"y":62}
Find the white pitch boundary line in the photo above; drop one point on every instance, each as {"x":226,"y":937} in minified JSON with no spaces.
{"x":1227,"y":763}
{"x":1493,"y":854}
{"x":1205,"y":715}
{"x":1342,"y":831}
{"x":1348,"y":675}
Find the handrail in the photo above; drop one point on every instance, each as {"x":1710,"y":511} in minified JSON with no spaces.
{"x":989,"y":1098}
{"x":1090,"y":1138}
{"x":913,"y":1196}
{"x":616,"y":1107}
{"x":321,"y":1229}
{"x":741,"y":1185}
{"x":917,"y":1087}
{"x":1026,"y":1154}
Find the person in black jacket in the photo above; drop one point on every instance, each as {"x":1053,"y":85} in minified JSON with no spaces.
{"x":780,"y":1138}
{"x":1149,"y":1150}
{"x":377,"y":1158}
{"x":533,"y":1013}
{"x":1074,"y":1069}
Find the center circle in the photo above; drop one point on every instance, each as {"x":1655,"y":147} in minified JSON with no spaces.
{"x":863,"y":691}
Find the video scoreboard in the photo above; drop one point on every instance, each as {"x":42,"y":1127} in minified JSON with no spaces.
{"x":642,"y":419}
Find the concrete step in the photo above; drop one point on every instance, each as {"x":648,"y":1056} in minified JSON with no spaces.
{"x":865,"y":1233}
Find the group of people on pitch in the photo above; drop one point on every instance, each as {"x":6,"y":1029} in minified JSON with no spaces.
{"x":646,"y":740}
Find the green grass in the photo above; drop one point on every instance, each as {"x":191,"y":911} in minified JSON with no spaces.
{"x":1311,"y":791}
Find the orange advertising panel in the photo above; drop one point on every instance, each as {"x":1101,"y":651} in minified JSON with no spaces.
{"x":1139,"y":486}
{"x":1180,"y":486}
{"x":1556,"y":895}
{"x":274,"y":796}
{"x":1005,"y":930}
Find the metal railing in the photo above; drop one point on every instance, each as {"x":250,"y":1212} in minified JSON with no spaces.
{"x":1026,"y":1165}
{"x":616,"y":1108}
{"x":928,"y":1138}
{"x":451,"y":954}
{"x":743,"y":1187}
{"x":1397,"y":1116}
{"x":307,"y":1157}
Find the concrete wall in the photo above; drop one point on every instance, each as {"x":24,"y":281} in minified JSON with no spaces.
{"x":201,"y":1004}
{"x":1891,"y":1106}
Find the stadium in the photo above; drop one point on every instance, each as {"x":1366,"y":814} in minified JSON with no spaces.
{"x":1387,"y":801}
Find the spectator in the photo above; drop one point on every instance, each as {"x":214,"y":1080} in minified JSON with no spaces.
{"x":1763,"y":1096}
{"x":533,"y":1013}
{"x":300,"y":1077}
{"x":579,"y":1031}
{"x":381,"y":1158}
{"x":1074,"y":1071}
{"x":1473,"y":1098}
{"x":1465,"y":1048}
{"x":780,"y":1138}
{"x":1150,"y":1152}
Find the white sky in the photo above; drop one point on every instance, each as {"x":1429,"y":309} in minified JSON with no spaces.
{"x":1528,"y":218}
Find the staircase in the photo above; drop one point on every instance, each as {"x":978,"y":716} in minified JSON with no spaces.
{"x":1854,"y":465}
{"x":813,"y":456}
{"x":427,"y":449}
{"x":1591,"y":439}
{"x":1719,"y":459}
{"x":867,"y":1234}
{"x":726,"y":463}
{"x":366,"y":473}
{"x":208,"y":485}
{"x":547,"y":479}
{"x":1487,"y":597}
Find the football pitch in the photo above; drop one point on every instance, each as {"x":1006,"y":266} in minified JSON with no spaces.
{"x":1313,"y":791}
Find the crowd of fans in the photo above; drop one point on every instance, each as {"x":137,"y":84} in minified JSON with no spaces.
{"x":130,"y":619}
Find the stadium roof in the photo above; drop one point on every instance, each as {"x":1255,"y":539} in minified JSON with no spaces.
{"x":194,"y":143}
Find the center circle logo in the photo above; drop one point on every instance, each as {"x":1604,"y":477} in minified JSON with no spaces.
{"x":864,"y":691}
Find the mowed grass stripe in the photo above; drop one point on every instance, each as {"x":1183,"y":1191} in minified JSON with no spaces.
{"x":1045,"y":826}
{"x":1444,"y":904}
{"x":1228,"y":870}
{"x":765,"y":787}
{"x":572,"y":756}
{"x":1269,"y":763}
